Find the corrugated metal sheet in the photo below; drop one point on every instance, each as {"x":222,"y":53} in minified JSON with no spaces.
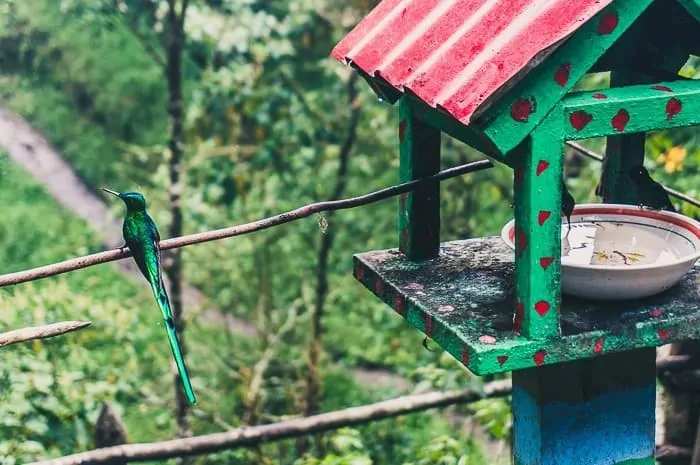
{"x":455,"y":54}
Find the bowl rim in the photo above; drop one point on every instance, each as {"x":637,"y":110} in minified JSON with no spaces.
{"x":682,"y":221}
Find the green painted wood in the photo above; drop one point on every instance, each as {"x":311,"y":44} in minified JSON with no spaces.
{"x":441,"y":120}
{"x":514,"y":115}
{"x":537,"y":185}
{"x":693,"y":7}
{"x":621,"y":153}
{"x":630,"y":109}
{"x":590,"y":412}
{"x":464,"y":301}
{"x":419,"y":211}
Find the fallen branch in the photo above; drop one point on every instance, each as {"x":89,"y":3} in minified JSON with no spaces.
{"x":40,"y":332}
{"x":287,"y":217}
{"x":250,"y":436}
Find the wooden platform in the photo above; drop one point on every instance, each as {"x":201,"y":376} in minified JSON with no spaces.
{"x":464,"y":301}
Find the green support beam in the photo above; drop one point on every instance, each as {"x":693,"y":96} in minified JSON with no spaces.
{"x":419,"y":211}
{"x":631,"y":109}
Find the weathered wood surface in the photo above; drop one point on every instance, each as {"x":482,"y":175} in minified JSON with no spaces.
{"x":464,"y":300}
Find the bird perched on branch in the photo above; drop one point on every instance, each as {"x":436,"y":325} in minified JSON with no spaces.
{"x":651,"y":194}
{"x":142,"y":237}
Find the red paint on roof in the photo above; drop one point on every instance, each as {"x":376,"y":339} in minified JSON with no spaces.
{"x":457,"y":53}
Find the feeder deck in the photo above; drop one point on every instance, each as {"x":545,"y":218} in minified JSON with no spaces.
{"x":464,"y":300}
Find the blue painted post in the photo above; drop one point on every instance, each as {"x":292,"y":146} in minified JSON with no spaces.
{"x":598,"y":411}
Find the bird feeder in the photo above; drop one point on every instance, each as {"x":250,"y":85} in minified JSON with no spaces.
{"x":497,"y":75}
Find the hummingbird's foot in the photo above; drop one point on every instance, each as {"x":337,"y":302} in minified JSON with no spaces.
{"x":123,"y":248}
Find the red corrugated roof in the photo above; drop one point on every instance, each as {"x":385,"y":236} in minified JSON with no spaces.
{"x":457,"y":53}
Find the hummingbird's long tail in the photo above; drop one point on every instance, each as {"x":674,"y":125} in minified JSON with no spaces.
{"x":164,"y":305}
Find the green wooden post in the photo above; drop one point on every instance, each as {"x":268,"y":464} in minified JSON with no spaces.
{"x":537,"y":184}
{"x":419,"y":211}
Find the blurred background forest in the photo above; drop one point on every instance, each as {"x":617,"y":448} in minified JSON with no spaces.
{"x":277,"y":327}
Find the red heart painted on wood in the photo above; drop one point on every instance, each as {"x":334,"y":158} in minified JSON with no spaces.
{"x":522,"y":108}
{"x":620,"y":120}
{"x":541,"y":166}
{"x":378,"y":287}
{"x":502,"y":359}
{"x":608,"y":23}
{"x":542,"y":216}
{"x":561,"y":75}
{"x":579,"y":119}
{"x":673,"y":107}
{"x":545,"y":262}
{"x":465,"y":356}
{"x":598,"y":347}
{"x":428,"y":324}
{"x":539,"y":356}
{"x":542,"y":307}
{"x":399,"y":304}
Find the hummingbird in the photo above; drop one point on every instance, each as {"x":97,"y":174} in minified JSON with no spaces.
{"x":142,"y":237}
{"x":651,"y":194}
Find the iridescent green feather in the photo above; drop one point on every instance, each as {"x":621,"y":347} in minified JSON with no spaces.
{"x":142,"y":237}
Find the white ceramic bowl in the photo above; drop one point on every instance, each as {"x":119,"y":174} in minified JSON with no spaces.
{"x":616,"y":252}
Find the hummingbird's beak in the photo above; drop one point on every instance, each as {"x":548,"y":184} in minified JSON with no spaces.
{"x":111,"y":192}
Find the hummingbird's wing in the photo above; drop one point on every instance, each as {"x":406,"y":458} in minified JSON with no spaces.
{"x":152,"y":261}
{"x":139,"y":254}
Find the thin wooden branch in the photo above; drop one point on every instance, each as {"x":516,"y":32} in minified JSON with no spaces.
{"x":595,"y":156}
{"x":251,"y":436}
{"x":287,"y":217}
{"x":40,"y":332}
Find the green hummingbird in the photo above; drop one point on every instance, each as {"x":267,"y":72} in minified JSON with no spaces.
{"x":142,"y":237}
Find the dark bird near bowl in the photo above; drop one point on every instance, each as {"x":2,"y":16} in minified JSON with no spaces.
{"x":567,"y":204}
{"x":650,"y":193}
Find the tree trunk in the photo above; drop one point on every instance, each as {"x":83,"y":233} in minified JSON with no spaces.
{"x":313,"y":382}
{"x":173,"y":267}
